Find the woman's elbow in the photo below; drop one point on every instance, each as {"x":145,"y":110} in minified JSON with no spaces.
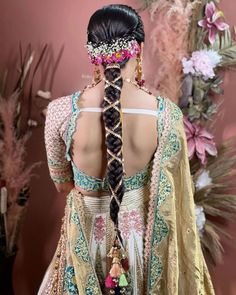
{"x":64,"y":188}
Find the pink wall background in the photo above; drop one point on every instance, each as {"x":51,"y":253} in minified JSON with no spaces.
{"x":62,"y":25}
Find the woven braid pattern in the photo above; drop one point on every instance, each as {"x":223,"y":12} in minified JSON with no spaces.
{"x":113,"y":126}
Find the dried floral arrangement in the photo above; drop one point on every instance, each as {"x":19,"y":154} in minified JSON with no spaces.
{"x":212,"y":51}
{"x":192,"y":69}
{"x":15,"y":129}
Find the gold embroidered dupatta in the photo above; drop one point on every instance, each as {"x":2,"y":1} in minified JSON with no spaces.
{"x":173,"y":259}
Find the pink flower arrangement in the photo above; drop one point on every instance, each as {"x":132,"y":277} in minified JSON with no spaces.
{"x":202,"y":63}
{"x":114,"y":52}
{"x":199,"y":141}
{"x":213,"y":21}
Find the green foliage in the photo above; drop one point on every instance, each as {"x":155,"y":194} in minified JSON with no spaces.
{"x":226,"y":46}
{"x":196,"y":102}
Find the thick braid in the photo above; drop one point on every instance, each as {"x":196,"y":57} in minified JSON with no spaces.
{"x":113,"y":126}
{"x":115,"y":34}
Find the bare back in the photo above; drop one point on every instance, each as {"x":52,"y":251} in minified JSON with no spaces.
{"x":139,"y":132}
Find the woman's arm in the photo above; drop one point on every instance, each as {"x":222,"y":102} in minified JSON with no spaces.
{"x":59,"y":167}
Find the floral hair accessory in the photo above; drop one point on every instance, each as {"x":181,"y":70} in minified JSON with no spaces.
{"x":115,"y":51}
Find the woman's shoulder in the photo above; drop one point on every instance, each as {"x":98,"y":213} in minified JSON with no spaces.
{"x":60,"y":104}
{"x":59,"y":112}
{"x":63,"y":105}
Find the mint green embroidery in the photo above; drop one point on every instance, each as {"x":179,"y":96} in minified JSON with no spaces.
{"x":156,"y":270}
{"x":173,"y":147}
{"x":60,"y":179}
{"x":161,"y":229}
{"x":54,"y":163}
{"x":139,"y":179}
{"x":81,"y":249}
{"x":80,"y":246}
{"x":160,"y":121}
{"x":90,"y":183}
{"x":72,"y":124}
{"x":69,"y":281}
{"x":176,"y":113}
{"x":91,"y":288}
{"x":164,"y":188}
{"x":86,"y":182}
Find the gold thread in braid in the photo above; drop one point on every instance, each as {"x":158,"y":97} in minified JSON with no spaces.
{"x":113,"y":133}
{"x":113,"y":81}
{"x":116,"y":79}
{"x":114,"y":157}
{"x":108,"y":84}
{"x":112,"y":66}
{"x":117,"y":125}
{"x":121,"y":123}
{"x":115,"y":107}
{"x":111,"y":154}
{"x":110,"y":102}
{"x":113,"y":196}
{"x":118,"y":185}
{"x":111,"y":105}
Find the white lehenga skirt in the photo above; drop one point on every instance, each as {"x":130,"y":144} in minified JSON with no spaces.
{"x":60,"y":277}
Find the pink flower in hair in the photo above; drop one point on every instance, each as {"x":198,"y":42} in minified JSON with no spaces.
{"x":199,"y":141}
{"x":114,"y":51}
{"x":213,"y":21}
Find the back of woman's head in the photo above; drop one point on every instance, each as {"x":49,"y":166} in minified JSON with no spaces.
{"x":115,"y":21}
{"x":109,"y":28}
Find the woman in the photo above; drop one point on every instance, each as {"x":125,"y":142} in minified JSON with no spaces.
{"x":120,"y":153}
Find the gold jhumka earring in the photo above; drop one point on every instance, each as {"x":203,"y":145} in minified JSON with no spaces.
{"x":96,"y":74}
{"x":139,"y":71}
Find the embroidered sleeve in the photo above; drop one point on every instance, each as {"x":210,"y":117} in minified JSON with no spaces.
{"x":55,"y":129}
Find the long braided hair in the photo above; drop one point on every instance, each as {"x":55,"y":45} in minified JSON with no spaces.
{"x":106,"y":24}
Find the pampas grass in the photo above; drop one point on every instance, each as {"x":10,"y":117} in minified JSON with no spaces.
{"x":170,"y":43}
{"x":15,"y":173}
{"x":13,"y":168}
